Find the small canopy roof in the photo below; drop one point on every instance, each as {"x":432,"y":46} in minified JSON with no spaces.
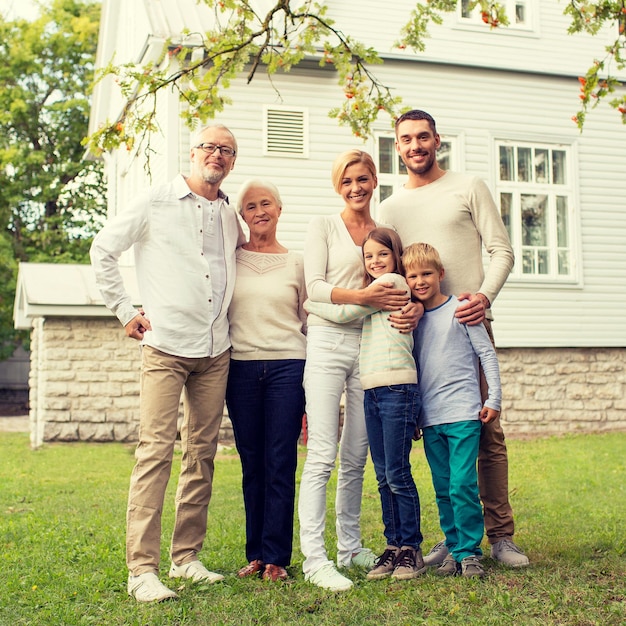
{"x":68,"y":290}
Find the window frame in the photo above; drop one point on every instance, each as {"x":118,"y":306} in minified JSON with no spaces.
{"x":552,"y":191}
{"x":475,"y":22}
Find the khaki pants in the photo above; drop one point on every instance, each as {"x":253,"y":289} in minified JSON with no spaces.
{"x":493,"y":474}
{"x":163,"y":378}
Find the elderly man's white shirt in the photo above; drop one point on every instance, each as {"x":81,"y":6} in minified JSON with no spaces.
{"x":184,"y":248}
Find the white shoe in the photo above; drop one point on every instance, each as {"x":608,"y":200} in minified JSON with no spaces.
{"x":363,"y":557}
{"x":194,"y":570}
{"x":148,"y":588}
{"x":327,"y":577}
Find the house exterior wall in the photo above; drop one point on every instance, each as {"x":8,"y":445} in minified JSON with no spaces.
{"x":85,"y":386}
{"x":84,"y":382}
{"x":543,"y":46}
{"x":562,"y":345}
{"x":476,"y":107}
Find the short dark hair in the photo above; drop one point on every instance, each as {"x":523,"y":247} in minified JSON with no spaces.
{"x":416,"y":114}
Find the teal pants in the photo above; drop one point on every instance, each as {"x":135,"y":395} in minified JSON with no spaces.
{"x":452,"y":452}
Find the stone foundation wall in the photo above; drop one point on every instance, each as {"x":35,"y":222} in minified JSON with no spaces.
{"x":563,"y":390}
{"x":84,"y":385}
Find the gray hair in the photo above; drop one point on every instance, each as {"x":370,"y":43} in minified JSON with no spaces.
{"x":197,"y":136}
{"x":257,"y":182}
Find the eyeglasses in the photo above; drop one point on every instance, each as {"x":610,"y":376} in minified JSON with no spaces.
{"x":210,"y":148}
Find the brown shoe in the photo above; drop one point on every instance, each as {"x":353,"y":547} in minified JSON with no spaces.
{"x":254,"y":567}
{"x":274,"y":572}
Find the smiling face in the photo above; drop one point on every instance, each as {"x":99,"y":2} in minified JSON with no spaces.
{"x":213,"y":168}
{"x":417,"y":146}
{"x":260,"y":211}
{"x":425,"y":284}
{"x":357,"y":187}
{"x":378,"y":259}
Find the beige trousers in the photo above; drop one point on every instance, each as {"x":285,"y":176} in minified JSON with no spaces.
{"x":163,"y":378}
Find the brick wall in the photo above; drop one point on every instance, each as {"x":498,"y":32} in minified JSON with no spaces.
{"x":84,"y":385}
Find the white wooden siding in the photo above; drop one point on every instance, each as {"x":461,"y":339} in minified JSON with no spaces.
{"x":548,"y":49}
{"x":479,"y":106}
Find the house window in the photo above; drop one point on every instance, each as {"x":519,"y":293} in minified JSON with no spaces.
{"x":518,"y":12}
{"x":391,"y":170}
{"x":536,"y":196}
{"x":285,"y":132}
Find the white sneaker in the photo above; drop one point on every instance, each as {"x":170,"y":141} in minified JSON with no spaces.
{"x":363,"y":557}
{"x":194,"y":570}
{"x":327,"y":577}
{"x":148,"y":588}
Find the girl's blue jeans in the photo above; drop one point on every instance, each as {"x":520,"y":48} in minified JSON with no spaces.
{"x":391,"y":417}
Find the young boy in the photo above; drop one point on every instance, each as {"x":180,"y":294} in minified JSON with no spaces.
{"x":447,"y":354}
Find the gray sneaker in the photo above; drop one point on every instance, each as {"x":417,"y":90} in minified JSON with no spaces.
{"x":437,"y":554}
{"x":507,"y":553}
{"x":449,"y":567}
{"x":408,"y":564}
{"x":384,"y":564}
{"x":472,"y":568}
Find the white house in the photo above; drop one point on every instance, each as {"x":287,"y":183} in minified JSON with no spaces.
{"x":503,"y":101}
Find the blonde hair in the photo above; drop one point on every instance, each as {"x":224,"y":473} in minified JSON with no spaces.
{"x":421,"y":255}
{"x":390,"y":239}
{"x":252,"y":183}
{"x":345,"y":160}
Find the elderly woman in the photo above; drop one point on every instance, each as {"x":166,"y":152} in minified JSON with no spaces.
{"x":265,"y":397}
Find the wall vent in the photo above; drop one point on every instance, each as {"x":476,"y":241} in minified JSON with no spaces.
{"x":286,"y":132}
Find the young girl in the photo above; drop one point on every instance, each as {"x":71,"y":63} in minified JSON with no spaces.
{"x":392,"y":403}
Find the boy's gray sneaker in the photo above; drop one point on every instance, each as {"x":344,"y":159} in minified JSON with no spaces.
{"x":408,"y":564}
{"x":437,"y":554}
{"x":449,"y":567}
{"x":472,"y":568}
{"x":385,"y":564}
{"x":507,"y":553}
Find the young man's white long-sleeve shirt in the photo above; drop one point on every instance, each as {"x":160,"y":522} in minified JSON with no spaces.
{"x":184,"y":248}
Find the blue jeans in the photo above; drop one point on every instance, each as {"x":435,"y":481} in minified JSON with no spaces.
{"x":391,"y":417}
{"x":266,"y":403}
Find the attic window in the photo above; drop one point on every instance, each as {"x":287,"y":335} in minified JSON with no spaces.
{"x":286,"y":132}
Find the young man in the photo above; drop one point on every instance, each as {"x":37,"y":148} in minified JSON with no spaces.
{"x":456,"y":214}
{"x":184,"y":236}
{"x":447,"y":354}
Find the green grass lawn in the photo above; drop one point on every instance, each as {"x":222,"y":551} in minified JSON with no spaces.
{"x":62,"y":524}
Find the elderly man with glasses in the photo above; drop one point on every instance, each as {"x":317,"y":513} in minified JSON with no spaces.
{"x":184,"y":235}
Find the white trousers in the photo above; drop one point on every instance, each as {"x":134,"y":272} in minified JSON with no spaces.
{"x":332,"y":367}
